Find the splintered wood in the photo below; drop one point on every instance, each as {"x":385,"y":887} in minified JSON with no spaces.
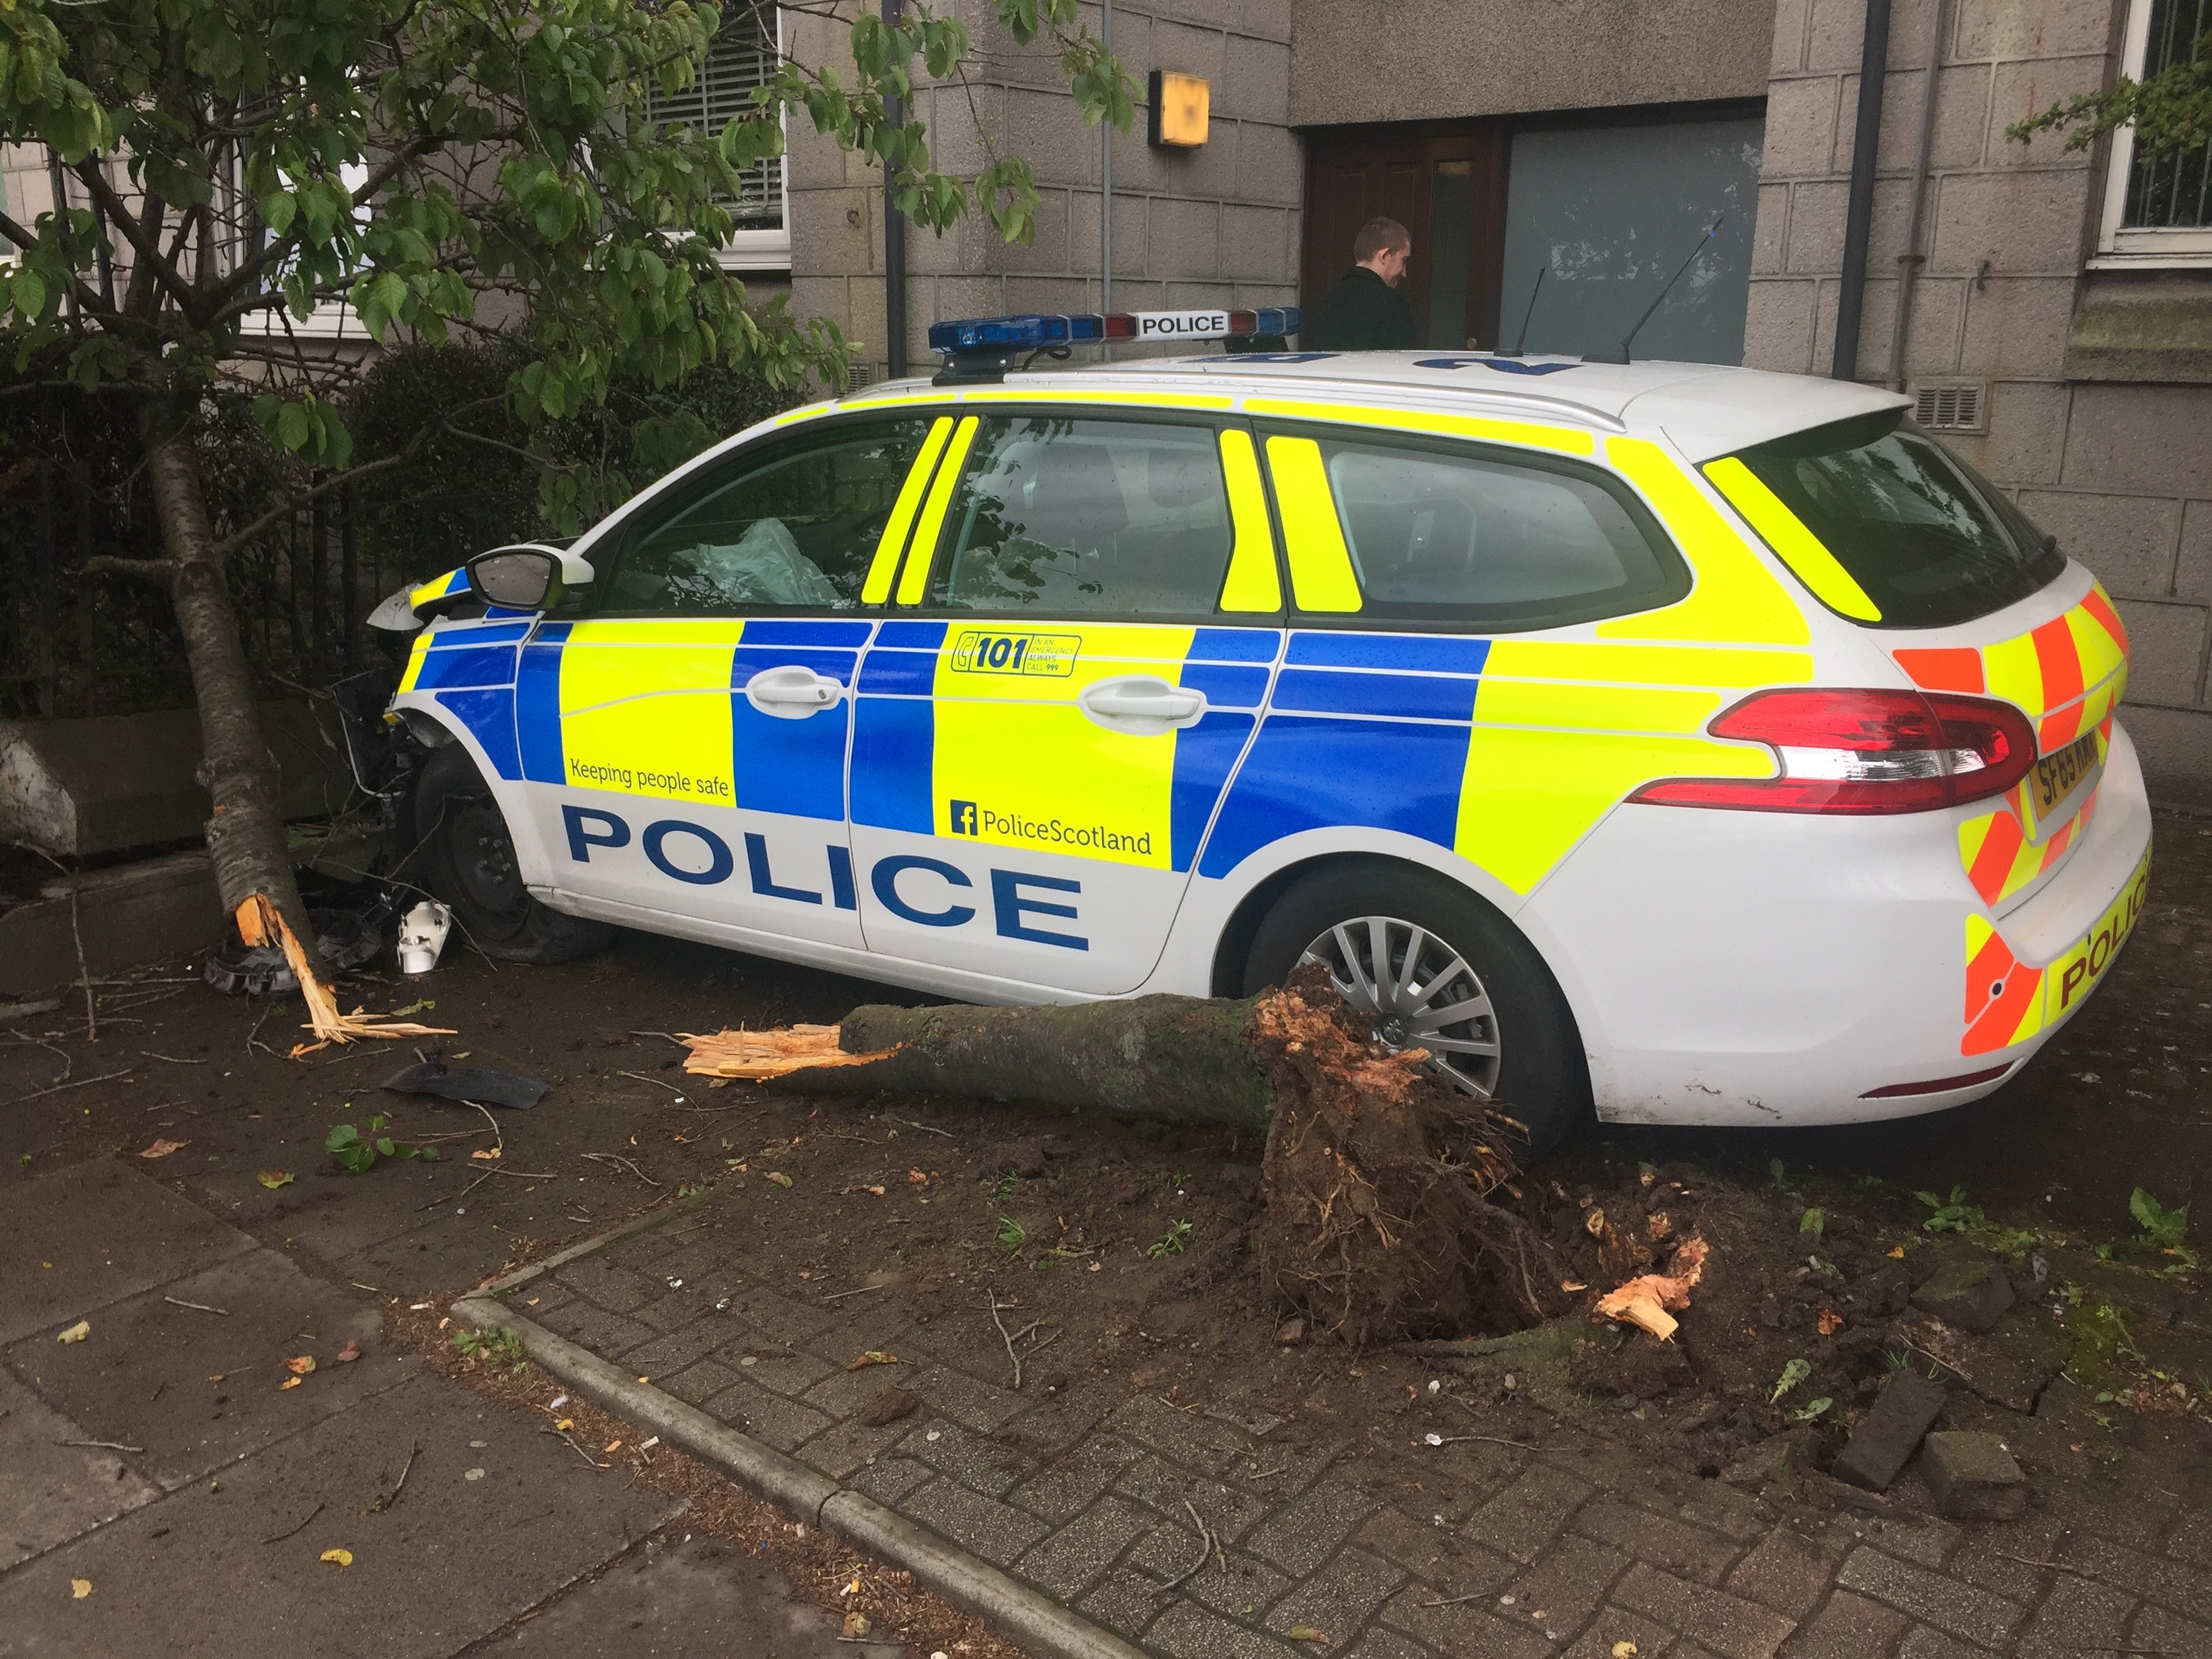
{"x":259,"y":922}
{"x":1643,"y":1301}
{"x":756,"y":1056}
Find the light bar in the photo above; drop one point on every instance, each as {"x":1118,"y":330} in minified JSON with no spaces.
{"x":992,"y":334}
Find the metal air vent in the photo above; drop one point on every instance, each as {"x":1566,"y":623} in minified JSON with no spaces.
{"x":862,"y":374}
{"x":1949,"y":408}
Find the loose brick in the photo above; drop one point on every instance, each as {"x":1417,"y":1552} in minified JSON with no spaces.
{"x":1934,"y":1598}
{"x":1890,"y":1433}
{"x":1524,"y":1518}
{"x":997,"y":1532}
{"x":1068,"y":1561}
{"x":1299,"y":1536}
{"x":1690,"y":1551}
{"x":1340,"y":1597}
{"x":1969,"y":1290}
{"x":1974,"y":1477}
{"x":1847,"y":1627}
{"x":1789,"y":1572}
{"x":1727,"y":1624}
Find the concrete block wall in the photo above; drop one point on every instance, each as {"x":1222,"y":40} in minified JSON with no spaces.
{"x":2120,"y":472}
{"x":1214,"y":226}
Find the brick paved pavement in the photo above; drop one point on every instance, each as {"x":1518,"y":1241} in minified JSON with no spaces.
{"x":1565,"y":1550}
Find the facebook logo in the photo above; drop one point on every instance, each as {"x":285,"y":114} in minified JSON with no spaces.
{"x":964,"y":821}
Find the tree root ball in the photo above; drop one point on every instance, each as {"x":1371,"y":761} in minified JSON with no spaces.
{"x":1378,"y":1177}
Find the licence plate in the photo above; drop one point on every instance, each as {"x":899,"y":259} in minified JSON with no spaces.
{"x":2057,"y":775}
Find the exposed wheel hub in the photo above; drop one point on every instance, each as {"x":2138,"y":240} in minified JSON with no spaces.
{"x":1423,"y":992}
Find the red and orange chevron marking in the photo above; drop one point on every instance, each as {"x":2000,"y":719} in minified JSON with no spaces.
{"x":2068,"y":675}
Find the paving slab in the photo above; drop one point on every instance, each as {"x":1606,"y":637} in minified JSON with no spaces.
{"x":49,"y":1491}
{"x":698,"y":1599}
{"x":451,"y":1558}
{"x":78,"y":1239}
{"x":197,"y":1389}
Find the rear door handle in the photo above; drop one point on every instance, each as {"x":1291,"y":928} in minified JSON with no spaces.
{"x":1142,"y":705}
{"x":791,"y":692}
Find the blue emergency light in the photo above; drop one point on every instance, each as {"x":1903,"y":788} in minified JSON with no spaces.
{"x":980,"y":347}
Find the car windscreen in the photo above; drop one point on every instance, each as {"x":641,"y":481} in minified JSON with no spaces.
{"x":1931,"y":541}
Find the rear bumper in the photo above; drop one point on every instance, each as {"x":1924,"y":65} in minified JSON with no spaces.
{"x":1753,"y":968}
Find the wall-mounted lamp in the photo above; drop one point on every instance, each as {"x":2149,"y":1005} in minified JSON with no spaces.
{"x":1176,"y":119}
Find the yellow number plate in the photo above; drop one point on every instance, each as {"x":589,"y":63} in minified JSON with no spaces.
{"x":2057,"y":776}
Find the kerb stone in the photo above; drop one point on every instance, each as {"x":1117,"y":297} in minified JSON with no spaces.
{"x":1890,"y":1433}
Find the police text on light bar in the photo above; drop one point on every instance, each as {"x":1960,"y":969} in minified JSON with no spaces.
{"x":986,"y":333}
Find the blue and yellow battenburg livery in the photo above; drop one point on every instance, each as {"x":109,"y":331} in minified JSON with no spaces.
{"x":1006,"y":751}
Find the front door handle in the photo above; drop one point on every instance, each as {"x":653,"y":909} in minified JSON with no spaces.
{"x":791,"y":692}
{"x":1142,"y":705}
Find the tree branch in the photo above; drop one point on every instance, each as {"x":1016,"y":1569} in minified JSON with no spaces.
{"x":159,"y":571}
{"x":230,"y":544}
{"x":147,"y":247}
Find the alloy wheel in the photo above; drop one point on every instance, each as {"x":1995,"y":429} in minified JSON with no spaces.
{"x":1421,"y":992}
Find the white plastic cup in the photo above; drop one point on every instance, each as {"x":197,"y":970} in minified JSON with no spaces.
{"x":423,"y":932}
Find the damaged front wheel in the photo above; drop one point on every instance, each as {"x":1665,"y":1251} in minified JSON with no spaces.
{"x":469,"y":863}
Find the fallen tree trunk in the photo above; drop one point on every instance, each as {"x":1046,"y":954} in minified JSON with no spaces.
{"x":1377,"y":1173}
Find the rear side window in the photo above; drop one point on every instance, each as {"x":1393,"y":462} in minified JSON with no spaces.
{"x":1451,"y":535}
{"x":1929,"y":541}
{"x":1062,"y":517}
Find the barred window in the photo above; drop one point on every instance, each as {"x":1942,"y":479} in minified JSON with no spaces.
{"x":2172,"y":192}
{"x":742,"y":56}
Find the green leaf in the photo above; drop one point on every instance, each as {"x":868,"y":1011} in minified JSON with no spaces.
{"x":277,"y":210}
{"x":292,"y":426}
{"x":1792,"y":1374}
{"x":1812,"y":1409}
{"x":29,"y":290}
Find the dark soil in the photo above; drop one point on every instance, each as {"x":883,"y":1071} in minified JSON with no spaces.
{"x":1140,"y":1241}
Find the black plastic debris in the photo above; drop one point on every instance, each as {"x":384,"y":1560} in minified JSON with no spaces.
{"x":347,"y":938}
{"x":462,"y":1083}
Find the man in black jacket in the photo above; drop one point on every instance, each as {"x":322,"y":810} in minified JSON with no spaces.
{"x":1364,"y":312}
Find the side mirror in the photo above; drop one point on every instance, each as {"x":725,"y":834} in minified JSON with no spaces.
{"x":517,"y":578}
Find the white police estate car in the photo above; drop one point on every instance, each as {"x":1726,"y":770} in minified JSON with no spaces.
{"x":1708,"y":745}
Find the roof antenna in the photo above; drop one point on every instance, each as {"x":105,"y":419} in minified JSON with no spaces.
{"x":1521,"y":338}
{"x":1629,"y":339}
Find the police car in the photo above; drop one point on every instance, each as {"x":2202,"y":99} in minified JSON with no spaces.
{"x":1705,"y":745}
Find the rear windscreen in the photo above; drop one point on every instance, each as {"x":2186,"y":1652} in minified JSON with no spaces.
{"x":1931,"y":541}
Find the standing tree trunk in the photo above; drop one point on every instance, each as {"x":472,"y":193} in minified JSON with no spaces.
{"x":245,"y":832}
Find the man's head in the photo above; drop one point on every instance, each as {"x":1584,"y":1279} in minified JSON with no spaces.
{"x":1383,"y":245}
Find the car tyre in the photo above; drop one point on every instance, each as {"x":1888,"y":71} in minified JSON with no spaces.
{"x":1512,"y":1037}
{"x":469,"y":864}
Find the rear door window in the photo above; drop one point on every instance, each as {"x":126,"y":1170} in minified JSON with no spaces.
{"x":1065,"y":518}
{"x":1929,"y":541}
{"x":1456,"y":535}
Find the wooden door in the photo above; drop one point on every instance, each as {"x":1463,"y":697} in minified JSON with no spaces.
{"x":1449,"y":190}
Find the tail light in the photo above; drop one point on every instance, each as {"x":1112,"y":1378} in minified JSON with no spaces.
{"x":1863,"y":753}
